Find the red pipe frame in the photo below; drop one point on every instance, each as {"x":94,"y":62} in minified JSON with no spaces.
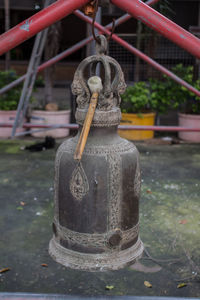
{"x":121,"y":127}
{"x":38,"y":22}
{"x":137,"y":9}
{"x":139,"y":53}
{"x":62,"y":8}
{"x":69,"y":51}
{"x":161,"y":24}
{"x":119,"y":40}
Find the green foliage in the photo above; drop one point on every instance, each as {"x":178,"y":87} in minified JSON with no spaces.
{"x":136,"y":98}
{"x":10,"y":99}
{"x":39,"y":82}
{"x":161,"y":95}
{"x":143,"y":97}
{"x":180,"y":97}
{"x":160,"y":101}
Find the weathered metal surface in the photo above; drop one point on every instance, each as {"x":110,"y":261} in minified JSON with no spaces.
{"x":38,"y":22}
{"x":96,"y":225}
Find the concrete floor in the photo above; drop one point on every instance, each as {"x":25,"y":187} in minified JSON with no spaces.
{"x":169,"y":216}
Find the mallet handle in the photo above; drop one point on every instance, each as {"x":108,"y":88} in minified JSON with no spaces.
{"x":86,"y":127}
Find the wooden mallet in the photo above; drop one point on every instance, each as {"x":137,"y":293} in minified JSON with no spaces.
{"x":95,"y":86}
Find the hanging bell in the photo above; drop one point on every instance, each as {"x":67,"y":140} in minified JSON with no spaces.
{"x":96,"y":222}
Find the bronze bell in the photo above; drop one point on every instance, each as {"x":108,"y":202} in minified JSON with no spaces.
{"x":96,"y":223}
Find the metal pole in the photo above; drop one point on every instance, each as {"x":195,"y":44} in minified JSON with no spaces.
{"x":38,"y":22}
{"x":7,"y":27}
{"x":48,"y":63}
{"x":126,"y":17}
{"x":121,"y":127}
{"x":198,"y":61}
{"x":161,"y":24}
{"x":140,"y":54}
{"x":19,"y":114}
{"x":118,"y":40}
{"x":69,"y":51}
{"x":93,"y":47}
{"x":31,"y":75}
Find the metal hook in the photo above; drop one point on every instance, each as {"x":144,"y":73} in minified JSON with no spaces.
{"x":96,"y":38}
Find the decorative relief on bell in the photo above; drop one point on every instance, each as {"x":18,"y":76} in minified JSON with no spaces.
{"x":79,"y":185}
{"x":109,"y":98}
{"x":137,"y":181}
{"x":96,"y":221}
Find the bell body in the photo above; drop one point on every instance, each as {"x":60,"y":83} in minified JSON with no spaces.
{"x":96,"y":224}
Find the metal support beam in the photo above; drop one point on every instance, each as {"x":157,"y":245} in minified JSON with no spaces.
{"x":126,"y":17}
{"x":139,"y":53}
{"x":34,"y":62}
{"x":69,"y":51}
{"x":38,"y":22}
{"x":48,"y":63}
{"x":7,"y":27}
{"x":117,"y":39}
{"x":161,"y":24}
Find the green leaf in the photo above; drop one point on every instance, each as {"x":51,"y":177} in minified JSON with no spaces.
{"x":19,"y":208}
{"x":110,"y":287}
{"x":147,"y":284}
{"x":180,"y":285}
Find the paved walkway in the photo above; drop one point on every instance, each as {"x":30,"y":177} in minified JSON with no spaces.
{"x":170,"y":226}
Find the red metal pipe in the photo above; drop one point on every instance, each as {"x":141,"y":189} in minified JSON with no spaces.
{"x":139,"y":53}
{"x":48,"y":63}
{"x":65,"y":53}
{"x":38,"y":22}
{"x":121,"y":127}
{"x":12,"y":84}
{"x":161,"y":24}
{"x":159,"y":128}
{"x":126,"y":17}
{"x":123,"y":43}
{"x":117,"y":39}
{"x":69,"y":51}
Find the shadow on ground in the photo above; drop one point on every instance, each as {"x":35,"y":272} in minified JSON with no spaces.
{"x":170,"y":226}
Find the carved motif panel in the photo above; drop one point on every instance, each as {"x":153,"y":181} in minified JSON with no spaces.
{"x":79,"y":185}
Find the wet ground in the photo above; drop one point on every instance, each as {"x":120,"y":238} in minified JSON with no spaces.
{"x":169,"y":216}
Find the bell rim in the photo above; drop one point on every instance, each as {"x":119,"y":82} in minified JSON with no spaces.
{"x":108,"y":261}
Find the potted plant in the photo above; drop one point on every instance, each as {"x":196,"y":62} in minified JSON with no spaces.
{"x":139,"y":106}
{"x":50,"y":114}
{"x":187,"y":102}
{"x":8,"y":102}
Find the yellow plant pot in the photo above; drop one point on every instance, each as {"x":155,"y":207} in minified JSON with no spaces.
{"x":137,"y":119}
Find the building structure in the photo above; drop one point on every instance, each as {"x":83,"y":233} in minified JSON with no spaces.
{"x":186,"y":13}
